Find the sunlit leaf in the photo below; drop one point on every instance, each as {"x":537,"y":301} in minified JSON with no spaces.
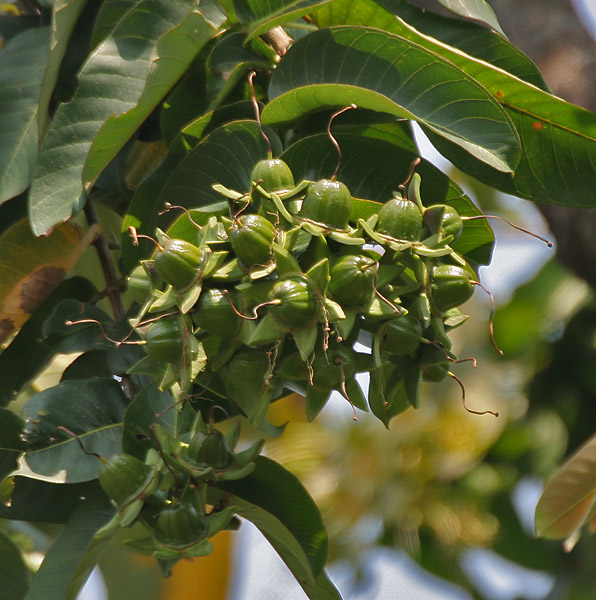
{"x":569,"y":496}
{"x":92,"y":409}
{"x":30,"y":268}
{"x":22,"y":64}
{"x":388,"y":73}
{"x":479,"y":10}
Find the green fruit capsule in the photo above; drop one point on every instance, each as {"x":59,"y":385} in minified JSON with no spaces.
{"x":352,"y":279}
{"x":180,"y":526}
{"x":211,"y":449}
{"x":400,"y":219}
{"x":214,"y":314}
{"x":273,"y":175}
{"x":450,"y":286}
{"x":402,"y":335}
{"x":435,"y":366}
{"x":251,"y":237}
{"x":125,"y":478}
{"x":179,"y":263}
{"x":327,"y":203}
{"x":444,"y":218}
{"x":166,"y":339}
{"x":296,"y":302}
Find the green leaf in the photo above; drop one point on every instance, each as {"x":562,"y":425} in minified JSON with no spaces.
{"x":472,"y":38}
{"x":27,"y":355}
{"x":14,"y":574}
{"x":175,"y":51}
{"x":262,"y":16}
{"x":11,"y":442}
{"x":374,"y":166}
{"x":557,"y":163}
{"x":120,"y":66}
{"x":92,"y":409}
{"x":22,"y":64}
{"x":65,"y":14}
{"x":226,"y":156}
{"x":415,"y":84}
{"x":35,"y":500}
{"x":275,"y":501}
{"x":73,"y":555}
{"x":568,"y":498}
{"x":479,"y":10}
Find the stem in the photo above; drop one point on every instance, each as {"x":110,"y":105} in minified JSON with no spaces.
{"x":279,"y":40}
{"x":113,"y":289}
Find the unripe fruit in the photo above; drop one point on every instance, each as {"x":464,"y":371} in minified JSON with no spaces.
{"x":179,"y":263}
{"x":180,"y":526}
{"x":298,"y":302}
{"x":402,"y":335}
{"x":211,"y":449}
{"x":352,"y":279}
{"x":273,"y":175}
{"x":451,"y":224}
{"x":214,"y":313}
{"x":450,"y":286}
{"x":251,"y":237}
{"x":248,"y":369}
{"x":327,"y":203}
{"x":125,"y":478}
{"x":166,"y":339}
{"x":401,"y":219}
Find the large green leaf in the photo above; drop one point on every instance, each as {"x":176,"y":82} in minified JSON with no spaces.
{"x":275,"y":501}
{"x":27,"y":354}
{"x":226,"y":156}
{"x":374,"y":164}
{"x":92,"y":409}
{"x":111,"y":82}
{"x":65,"y":14}
{"x":22,"y":64}
{"x":558,"y":160}
{"x":14,"y":574}
{"x":35,"y":500}
{"x":568,"y":498}
{"x":175,"y":51}
{"x":261,"y":16}
{"x":74,"y":554}
{"x":388,"y":73}
{"x":472,"y":38}
{"x":479,"y":10}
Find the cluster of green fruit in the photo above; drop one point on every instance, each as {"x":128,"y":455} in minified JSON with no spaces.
{"x":274,"y":297}
{"x":172,"y":495}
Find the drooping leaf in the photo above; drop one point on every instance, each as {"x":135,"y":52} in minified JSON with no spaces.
{"x":35,"y":500}
{"x":11,"y":443}
{"x":27,"y":354}
{"x":262,"y":16}
{"x":559,"y":139}
{"x":226,"y":156}
{"x":472,"y":38}
{"x":31,"y":268}
{"x":569,"y":496}
{"x":119,"y":66}
{"x":479,"y":10}
{"x":388,"y":73}
{"x":22,"y":64}
{"x":14,"y":574}
{"x":275,"y":501}
{"x":92,"y":409}
{"x":73,"y":555}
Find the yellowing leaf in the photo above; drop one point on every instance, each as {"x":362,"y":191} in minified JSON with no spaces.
{"x":31,"y":267}
{"x":568,"y":497}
